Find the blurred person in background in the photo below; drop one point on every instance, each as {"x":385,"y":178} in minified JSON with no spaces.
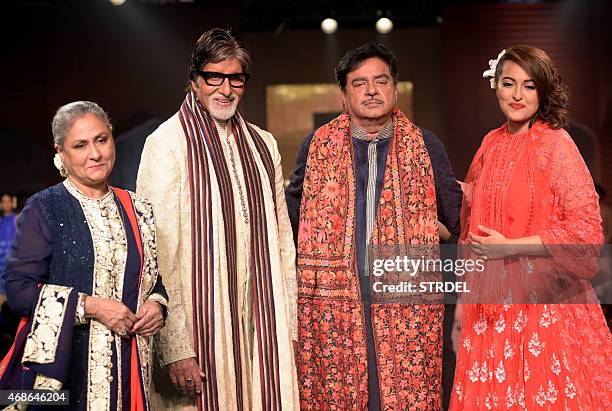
{"x":7,"y":233}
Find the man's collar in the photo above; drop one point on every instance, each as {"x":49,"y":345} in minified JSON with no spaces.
{"x":222,"y":126}
{"x":361,"y":134}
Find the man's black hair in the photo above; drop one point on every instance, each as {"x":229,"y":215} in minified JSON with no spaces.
{"x":354,"y":57}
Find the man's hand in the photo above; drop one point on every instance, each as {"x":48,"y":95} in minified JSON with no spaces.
{"x":149,"y":318}
{"x":443,"y":232}
{"x":186,"y":376}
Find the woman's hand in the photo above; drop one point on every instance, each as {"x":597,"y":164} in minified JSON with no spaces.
{"x":491,"y":246}
{"x":150,"y":319}
{"x":112,"y":313}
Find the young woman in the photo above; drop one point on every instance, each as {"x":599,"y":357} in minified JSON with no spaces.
{"x":530,"y":202}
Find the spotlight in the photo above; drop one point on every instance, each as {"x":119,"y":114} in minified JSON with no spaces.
{"x":117,"y":2}
{"x":384,"y":25}
{"x":329,"y":26}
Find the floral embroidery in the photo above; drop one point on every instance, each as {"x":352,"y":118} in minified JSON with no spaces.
{"x":459,"y":391}
{"x":521,"y":321}
{"x":526,"y":370}
{"x":500,"y":373}
{"x":570,"y":388}
{"x":41,"y":343}
{"x":508,"y":351}
{"x":545,"y":321}
{"x":535,"y":346}
{"x":474,"y":373}
{"x":510,"y":398}
{"x":466,"y":344}
{"x":480,"y":326}
{"x":552,"y":393}
{"x":555,"y":365}
{"x":565,"y":362}
{"x":521,"y":397}
{"x":484,"y":372}
{"x":500,"y":324}
{"x":79,"y":316}
{"x":540,"y":397}
{"x":491,"y":401}
{"x":42,"y":382}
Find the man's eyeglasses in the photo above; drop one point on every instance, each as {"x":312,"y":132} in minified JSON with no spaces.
{"x":212,"y":78}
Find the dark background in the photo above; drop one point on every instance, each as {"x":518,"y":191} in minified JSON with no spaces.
{"x":133,"y":59}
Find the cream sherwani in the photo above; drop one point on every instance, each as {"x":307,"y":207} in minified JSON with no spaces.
{"x":163,"y":179}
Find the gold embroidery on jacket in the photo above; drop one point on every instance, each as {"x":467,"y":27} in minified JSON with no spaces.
{"x":110,"y":251}
{"x":41,"y":343}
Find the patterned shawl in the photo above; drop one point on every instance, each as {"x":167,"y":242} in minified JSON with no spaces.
{"x":332,"y":359}
{"x":207,"y":186}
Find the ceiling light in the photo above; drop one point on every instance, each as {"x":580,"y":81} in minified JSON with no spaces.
{"x":329,"y":26}
{"x":384,"y":25}
{"x":117,"y":2}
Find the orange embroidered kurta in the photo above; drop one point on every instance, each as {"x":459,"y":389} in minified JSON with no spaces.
{"x":519,"y":356}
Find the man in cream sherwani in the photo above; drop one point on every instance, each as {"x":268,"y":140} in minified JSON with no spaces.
{"x":225,"y":245}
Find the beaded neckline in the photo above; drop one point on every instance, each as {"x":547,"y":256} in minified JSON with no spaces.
{"x":72,"y":189}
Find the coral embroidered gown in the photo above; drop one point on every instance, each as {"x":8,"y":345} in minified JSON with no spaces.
{"x":537,"y":356}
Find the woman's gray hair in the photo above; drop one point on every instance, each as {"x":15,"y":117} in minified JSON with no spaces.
{"x":67,"y":114}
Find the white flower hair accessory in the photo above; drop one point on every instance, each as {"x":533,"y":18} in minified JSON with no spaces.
{"x":492,"y":67}
{"x":59,"y":164}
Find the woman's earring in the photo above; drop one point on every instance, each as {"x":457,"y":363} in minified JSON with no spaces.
{"x":59,"y":164}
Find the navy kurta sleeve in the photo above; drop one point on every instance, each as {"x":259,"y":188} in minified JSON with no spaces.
{"x":293,"y":192}
{"x":28,"y":262}
{"x":448,"y":191}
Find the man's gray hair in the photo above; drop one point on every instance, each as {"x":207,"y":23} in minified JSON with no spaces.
{"x":214,"y":46}
{"x":67,"y":114}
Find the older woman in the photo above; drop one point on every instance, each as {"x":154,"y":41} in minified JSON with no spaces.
{"x":531,"y":208}
{"x":83,"y":274}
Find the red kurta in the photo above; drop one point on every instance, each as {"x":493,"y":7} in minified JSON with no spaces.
{"x":520,"y":356}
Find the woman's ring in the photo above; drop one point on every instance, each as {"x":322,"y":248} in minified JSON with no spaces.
{"x":189,"y":381}
{"x":121,"y":332}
